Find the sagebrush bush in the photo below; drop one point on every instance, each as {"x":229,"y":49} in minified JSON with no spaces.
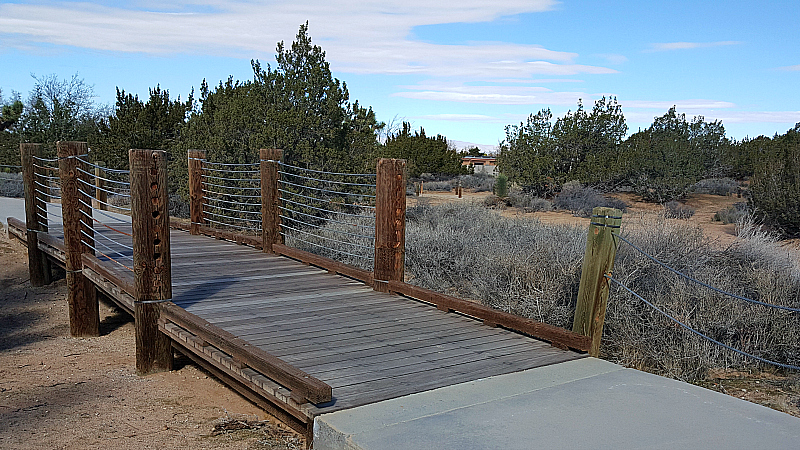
{"x":529,"y":202}
{"x":178,"y":207}
{"x":11,"y":185}
{"x":479,"y":182}
{"x":716,"y":186}
{"x":733,"y":213}
{"x":677,"y":210}
{"x":580,"y":200}
{"x":438,"y":186}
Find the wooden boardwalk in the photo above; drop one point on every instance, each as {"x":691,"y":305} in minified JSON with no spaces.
{"x":368,"y":346}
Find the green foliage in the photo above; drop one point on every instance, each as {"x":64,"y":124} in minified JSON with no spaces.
{"x":501,"y":186}
{"x":10,"y":112}
{"x":423,"y":154}
{"x":775,"y":185}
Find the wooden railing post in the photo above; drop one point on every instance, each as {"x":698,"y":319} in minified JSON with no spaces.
{"x":99,"y":183}
{"x":601,"y":248}
{"x":35,"y":219}
{"x":196,"y":199}
{"x":152,"y":266}
{"x":84,"y":314}
{"x":270,"y":198}
{"x":390,"y":222}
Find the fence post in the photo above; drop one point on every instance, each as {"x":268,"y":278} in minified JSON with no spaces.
{"x":38,"y":264}
{"x":196,"y":200}
{"x":152,"y":266}
{"x":270,"y":198}
{"x":390,"y":222}
{"x":84,"y":314}
{"x":601,"y":248}
{"x":99,"y":185}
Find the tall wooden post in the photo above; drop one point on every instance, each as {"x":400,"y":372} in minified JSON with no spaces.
{"x":270,"y":198}
{"x":35,"y":220}
{"x":152,"y":266}
{"x":601,"y":248}
{"x":84,"y":314}
{"x":99,"y":183}
{"x":390,"y":222}
{"x":196,"y":199}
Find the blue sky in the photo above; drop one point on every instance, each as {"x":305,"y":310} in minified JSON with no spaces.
{"x":464,"y":69}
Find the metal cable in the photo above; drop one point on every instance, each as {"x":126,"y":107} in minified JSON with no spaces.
{"x":106,"y":238}
{"x":329,"y":219}
{"x":103,"y":168}
{"x":320,"y":209}
{"x":234,"y":210}
{"x":231,"y":179}
{"x":86,"y":183}
{"x":232,"y":218}
{"x":54,"y":169}
{"x":126,"y":183}
{"x":45,"y":187}
{"x":687,"y":327}
{"x":368,"y":258}
{"x":10,"y":166}
{"x":325,"y":200}
{"x":108,"y":257}
{"x":322,"y":171}
{"x":104,"y":214}
{"x":39,"y":158}
{"x":231,"y":202}
{"x":325,"y":237}
{"x":206,"y":191}
{"x":325,"y":190}
{"x":325,"y":181}
{"x":46,"y":176}
{"x":230,"y":187}
{"x":103,"y":224}
{"x":230,"y":171}
{"x":361,"y":236}
{"x":716,"y":289}
{"x":224,"y":164}
{"x":107,"y":204}
{"x":231,"y":225}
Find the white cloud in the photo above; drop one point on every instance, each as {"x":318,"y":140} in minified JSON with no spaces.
{"x":613,"y":58}
{"x":795,"y":68}
{"x":668,"y":46}
{"x":370,"y":37}
{"x":462,"y":118}
{"x":496,"y":95}
{"x":679,"y":104}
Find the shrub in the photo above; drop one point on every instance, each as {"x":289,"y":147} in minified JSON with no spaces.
{"x":479,"y":182}
{"x":501,"y":186}
{"x":677,"y":210}
{"x":438,"y":185}
{"x":525,"y":267}
{"x":581,"y":200}
{"x":733,"y":213}
{"x":716,"y":186}
{"x":178,"y":207}
{"x":11,"y":185}
{"x":775,"y":185}
{"x":529,"y":202}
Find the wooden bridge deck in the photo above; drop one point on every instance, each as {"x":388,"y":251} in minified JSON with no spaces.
{"x":368,"y":346}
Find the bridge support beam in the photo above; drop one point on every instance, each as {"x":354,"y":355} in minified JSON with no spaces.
{"x":390,"y":223}
{"x":35,"y":218}
{"x":270,"y":198}
{"x":151,"y":257}
{"x":601,"y":249}
{"x":76,"y":209}
{"x":196,"y":198}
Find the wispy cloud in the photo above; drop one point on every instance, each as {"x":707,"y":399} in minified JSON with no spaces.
{"x":462,"y":118}
{"x":613,"y":58}
{"x":359,"y":36}
{"x":669,"y":46}
{"x":495,"y":95}
{"x":679,"y":104}
{"x":795,"y":68}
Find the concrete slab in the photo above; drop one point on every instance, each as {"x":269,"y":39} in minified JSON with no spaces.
{"x":11,"y":207}
{"x":584,"y":403}
{"x":15,"y":207}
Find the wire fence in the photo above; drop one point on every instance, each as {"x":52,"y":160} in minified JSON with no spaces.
{"x":331,"y":214}
{"x":47,"y":186}
{"x":232,"y":196}
{"x":683,"y":324}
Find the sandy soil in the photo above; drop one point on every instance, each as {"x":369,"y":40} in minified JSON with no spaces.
{"x":58,"y":392}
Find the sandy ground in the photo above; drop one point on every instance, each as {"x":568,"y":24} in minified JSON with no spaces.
{"x":58,"y":392}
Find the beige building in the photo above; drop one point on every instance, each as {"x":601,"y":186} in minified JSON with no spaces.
{"x":481,"y":164}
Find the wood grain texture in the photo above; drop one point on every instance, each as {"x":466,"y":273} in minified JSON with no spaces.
{"x":270,"y":198}
{"x":38,"y":265}
{"x":151,"y":257}
{"x":390,"y":222}
{"x":196,"y":199}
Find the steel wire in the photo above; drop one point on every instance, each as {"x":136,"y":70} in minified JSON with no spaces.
{"x":93,"y":186}
{"x":106,"y":238}
{"x":126,"y":183}
{"x":687,"y":327}
{"x":103,"y":223}
{"x":234,"y":210}
{"x":229,"y":170}
{"x":325,"y":181}
{"x":361,"y":236}
{"x":325,"y":190}
{"x":232,"y":218}
{"x":11,"y":166}
{"x":713,"y":288}
{"x":46,"y":176}
{"x":326,"y":200}
{"x":322,"y":171}
{"x":231,"y":225}
{"x":206,"y":191}
{"x":224,"y":164}
{"x":326,"y":238}
{"x":232,"y":202}
{"x":368,"y":258}
{"x":232,"y":187}
{"x":328,"y":219}
{"x":109,"y":257}
{"x":107,"y":169}
{"x":231,"y":179}
{"x":39,"y":158}
{"x":108,"y":204}
{"x":55,"y":169}
{"x":322,"y":209}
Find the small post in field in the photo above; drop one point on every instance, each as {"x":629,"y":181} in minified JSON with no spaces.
{"x":270,"y":198}
{"x":35,"y":217}
{"x":601,"y":248}
{"x":196,"y":200}
{"x":152,"y":266}
{"x":390,"y":222}
{"x":101,"y":195}
{"x":76,"y":210}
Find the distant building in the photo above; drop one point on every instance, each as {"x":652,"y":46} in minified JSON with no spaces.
{"x":482,"y":164}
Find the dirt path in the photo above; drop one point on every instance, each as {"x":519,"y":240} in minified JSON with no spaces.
{"x":58,"y":392}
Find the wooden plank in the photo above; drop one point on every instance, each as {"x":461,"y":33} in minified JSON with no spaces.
{"x":325,"y":263}
{"x":298,"y":381}
{"x":557,"y":336}
{"x":196,"y":200}
{"x":270,"y":198}
{"x":390,"y":222}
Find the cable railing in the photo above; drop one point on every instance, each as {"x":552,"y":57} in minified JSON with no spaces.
{"x":671,"y":317}
{"x":47,"y":188}
{"x":232,"y":196}
{"x":328,"y":213}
